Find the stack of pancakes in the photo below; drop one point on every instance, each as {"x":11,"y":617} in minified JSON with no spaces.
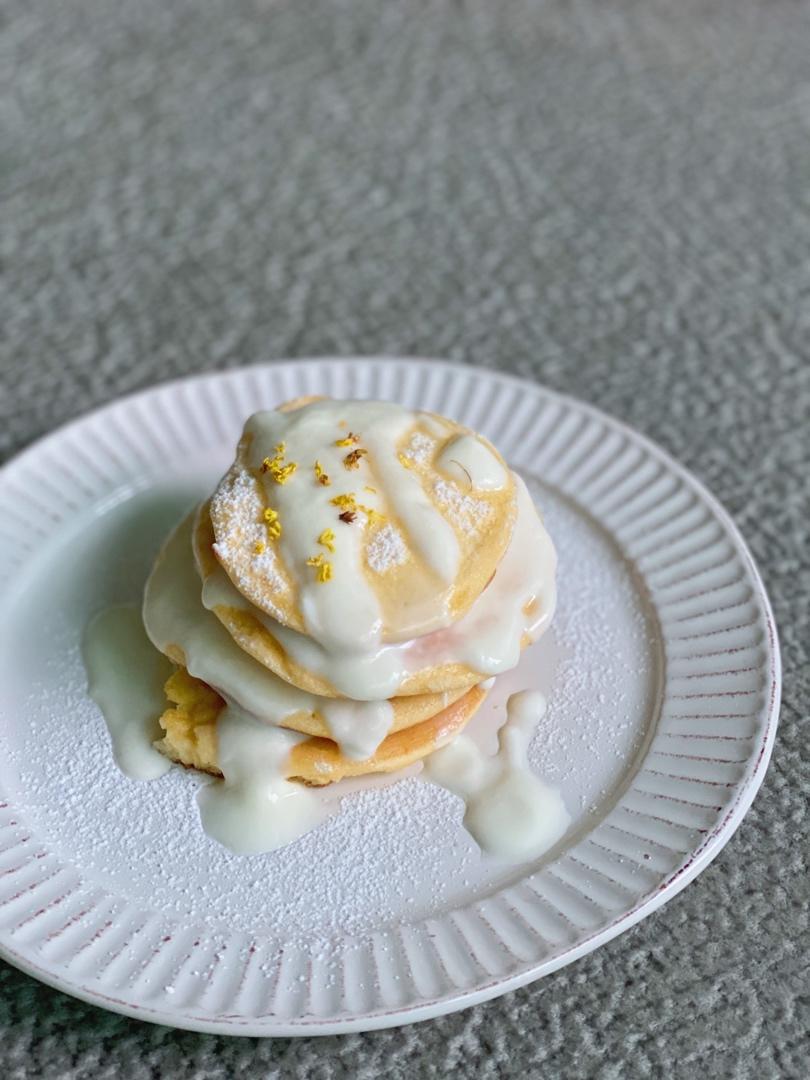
{"x":331,"y":584}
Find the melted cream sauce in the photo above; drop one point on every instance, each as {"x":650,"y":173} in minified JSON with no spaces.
{"x":125,"y":677}
{"x":471,"y":463}
{"x":427,"y":529}
{"x":358,"y":727}
{"x":381,"y":425}
{"x":174,"y":615}
{"x":519,"y":601}
{"x":254,"y":809}
{"x":509,"y":811}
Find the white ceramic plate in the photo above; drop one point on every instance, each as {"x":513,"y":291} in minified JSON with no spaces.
{"x":662,"y":673}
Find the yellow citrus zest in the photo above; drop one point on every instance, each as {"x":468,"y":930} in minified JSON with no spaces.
{"x":323,"y":567}
{"x":327,"y":539}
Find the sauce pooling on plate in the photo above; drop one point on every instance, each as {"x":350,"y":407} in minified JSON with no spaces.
{"x":125,"y":678}
{"x":509,"y":811}
{"x":254,"y":808}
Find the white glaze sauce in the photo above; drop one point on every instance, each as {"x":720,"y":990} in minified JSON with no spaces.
{"x":254,"y":808}
{"x":125,"y":678}
{"x":380,"y":426}
{"x":358,"y":727}
{"x":487,"y":638}
{"x":174,"y":615}
{"x":509,"y":811}
{"x":520,"y":600}
{"x":471,"y":463}
{"x":427,"y":529}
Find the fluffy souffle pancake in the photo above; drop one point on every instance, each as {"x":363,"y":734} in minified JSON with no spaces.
{"x":263,"y":638}
{"x":181,"y":628}
{"x":259,"y":636}
{"x":190,"y":736}
{"x":415,"y":509}
{"x":335,"y":607}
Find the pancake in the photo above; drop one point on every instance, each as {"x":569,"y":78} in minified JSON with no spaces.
{"x":190,"y":736}
{"x":336,"y":607}
{"x":254,"y":635}
{"x":398,"y":517}
{"x":181,"y":628}
{"x":275,"y":647}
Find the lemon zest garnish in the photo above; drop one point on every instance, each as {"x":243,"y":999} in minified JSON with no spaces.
{"x":327,"y":539}
{"x":349,"y":502}
{"x":352,"y":459}
{"x":350,"y":440}
{"x":283,"y":473}
{"x":258,"y":547}
{"x":323,"y":567}
{"x":320,"y":475}
{"x":272,"y":521}
{"x":280,"y":472}
{"x":406,"y":463}
{"x":371,"y":490}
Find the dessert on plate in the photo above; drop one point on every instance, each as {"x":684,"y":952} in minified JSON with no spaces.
{"x":339,"y":606}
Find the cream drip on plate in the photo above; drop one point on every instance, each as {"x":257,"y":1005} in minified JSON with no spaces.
{"x":125,"y":677}
{"x":254,"y":808}
{"x":509,"y":811}
{"x":518,"y":602}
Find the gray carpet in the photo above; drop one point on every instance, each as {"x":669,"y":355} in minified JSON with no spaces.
{"x":612,"y":198}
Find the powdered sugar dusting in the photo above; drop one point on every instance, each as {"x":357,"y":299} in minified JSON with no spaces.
{"x":608,"y":669}
{"x":386,"y":550}
{"x":466,"y":513}
{"x":420,"y":448}
{"x":249,"y":558}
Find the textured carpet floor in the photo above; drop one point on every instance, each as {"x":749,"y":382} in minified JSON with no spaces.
{"x":611,"y":198}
